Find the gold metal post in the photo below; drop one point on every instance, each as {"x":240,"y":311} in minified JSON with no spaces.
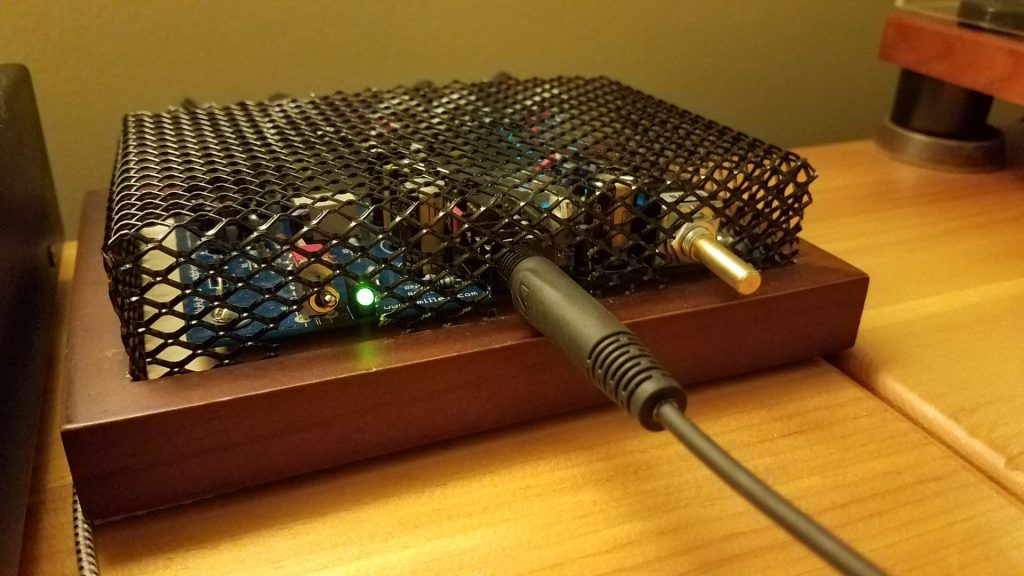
{"x":699,"y":242}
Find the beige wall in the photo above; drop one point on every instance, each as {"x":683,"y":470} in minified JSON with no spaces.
{"x":793,"y":72}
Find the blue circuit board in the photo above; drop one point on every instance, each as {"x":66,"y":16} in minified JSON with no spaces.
{"x":235,"y":275}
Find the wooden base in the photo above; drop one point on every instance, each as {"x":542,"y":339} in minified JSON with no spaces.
{"x":341,"y":397}
{"x":982,"y":61}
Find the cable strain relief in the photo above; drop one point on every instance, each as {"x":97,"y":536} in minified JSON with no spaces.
{"x":628,"y":373}
{"x":510,"y":258}
{"x":650,"y":395}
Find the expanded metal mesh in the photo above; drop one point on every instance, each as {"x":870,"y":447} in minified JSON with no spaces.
{"x":231,"y":226}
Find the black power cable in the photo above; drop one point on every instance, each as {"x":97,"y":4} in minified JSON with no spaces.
{"x":621,"y":366}
{"x":805,"y":529}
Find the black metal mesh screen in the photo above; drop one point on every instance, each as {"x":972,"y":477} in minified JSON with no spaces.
{"x":232,"y":226}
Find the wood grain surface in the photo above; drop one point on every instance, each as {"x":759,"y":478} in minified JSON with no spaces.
{"x":593,"y":494}
{"x":984,"y":61}
{"x":587,"y":493}
{"x":942,"y":338}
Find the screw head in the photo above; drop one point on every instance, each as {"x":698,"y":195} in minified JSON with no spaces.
{"x":222,"y":315}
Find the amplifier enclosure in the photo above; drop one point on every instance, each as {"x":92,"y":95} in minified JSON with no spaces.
{"x":343,"y":396}
{"x":228,"y":229}
{"x":231,"y":227}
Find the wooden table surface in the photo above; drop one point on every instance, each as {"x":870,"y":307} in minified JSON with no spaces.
{"x":591,"y":493}
{"x":942,"y":338}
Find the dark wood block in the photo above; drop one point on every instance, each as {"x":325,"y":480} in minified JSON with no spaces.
{"x":30,"y":249}
{"x":341,"y":397}
{"x":983,"y":61}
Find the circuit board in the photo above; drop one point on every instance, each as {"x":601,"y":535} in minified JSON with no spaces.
{"x":340,"y":301}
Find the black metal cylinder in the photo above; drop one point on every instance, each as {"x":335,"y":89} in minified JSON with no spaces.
{"x":929,"y":106}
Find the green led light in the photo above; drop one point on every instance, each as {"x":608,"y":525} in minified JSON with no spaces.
{"x":365,"y":295}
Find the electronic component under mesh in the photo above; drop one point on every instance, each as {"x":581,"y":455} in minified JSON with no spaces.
{"x":231,"y":226}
